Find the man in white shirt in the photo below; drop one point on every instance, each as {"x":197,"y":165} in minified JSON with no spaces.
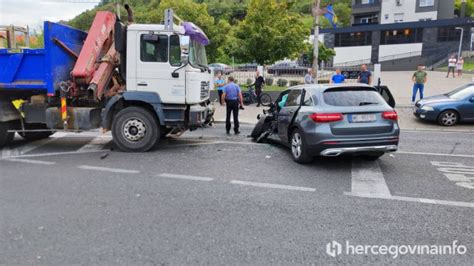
{"x":451,"y":65}
{"x":309,"y":79}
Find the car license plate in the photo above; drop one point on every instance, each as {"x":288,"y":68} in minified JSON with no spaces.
{"x":362,"y":118}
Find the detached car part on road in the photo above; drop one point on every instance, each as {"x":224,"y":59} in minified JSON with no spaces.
{"x":448,"y":109}
{"x":332,"y":120}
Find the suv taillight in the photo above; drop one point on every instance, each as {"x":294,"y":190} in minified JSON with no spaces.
{"x":325,"y":118}
{"x":390,"y":115}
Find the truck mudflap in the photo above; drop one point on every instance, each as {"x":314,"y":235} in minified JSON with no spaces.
{"x":8,"y":111}
{"x":79,"y":118}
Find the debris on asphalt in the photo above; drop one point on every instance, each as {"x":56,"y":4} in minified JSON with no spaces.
{"x":103,"y":156}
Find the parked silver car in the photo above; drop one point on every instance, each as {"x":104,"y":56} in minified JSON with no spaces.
{"x":332,"y":120}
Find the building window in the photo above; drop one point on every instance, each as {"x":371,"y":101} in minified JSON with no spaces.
{"x":398,"y":17}
{"x":448,"y":34}
{"x":401,"y":36}
{"x":353,"y":39}
{"x":364,"y":2}
{"x":426,"y":3}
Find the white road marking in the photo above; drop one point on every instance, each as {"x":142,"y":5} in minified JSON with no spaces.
{"x":186,"y":177}
{"x":437,"y":131}
{"x":96,"y":143}
{"x":107,"y":169}
{"x":268,"y":185}
{"x":30,"y":161}
{"x":461,"y":174}
{"x":368,"y":179}
{"x":30,"y":146}
{"x":435,"y":154}
{"x":418,"y":200}
{"x":204,"y":143}
{"x":51,"y":154}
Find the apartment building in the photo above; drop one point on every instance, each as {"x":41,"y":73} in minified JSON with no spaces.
{"x":399,"y":33}
{"x":394,"y":11}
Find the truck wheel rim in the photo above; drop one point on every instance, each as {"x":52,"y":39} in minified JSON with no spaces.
{"x":449,"y":119}
{"x":134,"y":130}
{"x":296,"y":145}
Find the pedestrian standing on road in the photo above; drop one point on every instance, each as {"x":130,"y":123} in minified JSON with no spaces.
{"x":460,"y":66}
{"x":338,"y":77}
{"x":219,"y":83}
{"x":451,"y":65}
{"x":232,"y":96}
{"x":309,"y":79}
{"x":419,"y":80}
{"x":365,"y":76}
{"x":259,"y":82}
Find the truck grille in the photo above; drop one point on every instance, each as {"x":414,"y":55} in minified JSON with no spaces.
{"x":204,"y":89}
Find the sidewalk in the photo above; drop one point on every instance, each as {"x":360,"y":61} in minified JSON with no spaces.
{"x":407,"y":120}
{"x":400,"y":84}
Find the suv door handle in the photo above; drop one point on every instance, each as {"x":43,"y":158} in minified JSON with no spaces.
{"x":144,"y":84}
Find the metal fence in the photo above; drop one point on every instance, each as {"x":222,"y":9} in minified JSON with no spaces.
{"x":289,"y":76}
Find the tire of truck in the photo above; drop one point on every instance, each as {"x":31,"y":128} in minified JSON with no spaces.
{"x":5,"y":136}
{"x":135,"y":129}
{"x":35,"y":135}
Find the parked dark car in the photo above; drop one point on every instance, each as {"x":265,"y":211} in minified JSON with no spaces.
{"x":448,"y":109}
{"x":248,"y":67}
{"x":332,"y":120}
{"x":223,"y":68}
{"x":287,"y":69}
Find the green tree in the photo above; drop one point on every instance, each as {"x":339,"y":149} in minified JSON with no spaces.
{"x":325,"y":54}
{"x":469,"y":8}
{"x":268,"y":33}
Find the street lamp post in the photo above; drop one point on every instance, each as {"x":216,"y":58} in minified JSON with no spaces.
{"x":316,"y":10}
{"x":460,"y":41}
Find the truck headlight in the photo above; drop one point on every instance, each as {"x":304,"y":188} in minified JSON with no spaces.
{"x":427,"y":108}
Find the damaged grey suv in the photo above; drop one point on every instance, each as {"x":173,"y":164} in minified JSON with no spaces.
{"x":332,"y":120}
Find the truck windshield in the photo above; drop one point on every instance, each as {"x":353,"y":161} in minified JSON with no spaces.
{"x":197,"y":54}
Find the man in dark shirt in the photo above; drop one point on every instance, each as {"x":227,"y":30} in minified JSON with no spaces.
{"x":232,"y":97}
{"x":365,"y":76}
{"x":259,"y":82}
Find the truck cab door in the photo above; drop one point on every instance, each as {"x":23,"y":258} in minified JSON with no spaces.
{"x":288,"y":112}
{"x":158,"y":60}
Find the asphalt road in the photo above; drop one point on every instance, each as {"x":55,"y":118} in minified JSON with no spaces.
{"x":209,"y":198}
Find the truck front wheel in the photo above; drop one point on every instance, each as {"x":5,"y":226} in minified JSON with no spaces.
{"x":135,"y":129}
{"x":5,"y":136}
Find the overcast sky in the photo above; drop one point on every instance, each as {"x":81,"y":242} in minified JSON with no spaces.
{"x":34,"y":12}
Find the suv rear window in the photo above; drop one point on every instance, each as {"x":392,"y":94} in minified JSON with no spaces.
{"x":352,"y":97}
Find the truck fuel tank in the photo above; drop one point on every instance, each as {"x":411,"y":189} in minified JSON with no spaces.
{"x":79,"y":118}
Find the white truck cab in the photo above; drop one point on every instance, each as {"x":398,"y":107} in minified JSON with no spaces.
{"x":167,"y":62}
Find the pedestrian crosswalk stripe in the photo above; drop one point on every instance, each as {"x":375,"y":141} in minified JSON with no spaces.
{"x":368,"y":179}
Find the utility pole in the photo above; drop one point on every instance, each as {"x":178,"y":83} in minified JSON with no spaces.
{"x":316,"y":14}
{"x":118,"y":8}
{"x":460,"y":41}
